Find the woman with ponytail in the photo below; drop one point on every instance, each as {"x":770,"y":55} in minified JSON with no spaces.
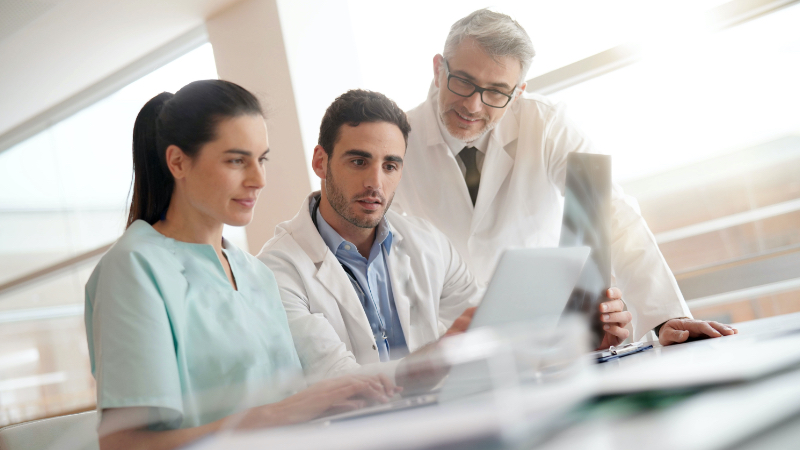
{"x":187,"y":334}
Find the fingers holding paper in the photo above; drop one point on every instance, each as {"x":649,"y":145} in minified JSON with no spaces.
{"x":614,"y":319}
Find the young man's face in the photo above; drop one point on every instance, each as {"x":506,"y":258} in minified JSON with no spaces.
{"x":468,"y":118}
{"x":362,"y":173}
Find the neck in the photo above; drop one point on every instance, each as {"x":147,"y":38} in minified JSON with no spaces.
{"x":362,"y":238}
{"x":185,"y":223}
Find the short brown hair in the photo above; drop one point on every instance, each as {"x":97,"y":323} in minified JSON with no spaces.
{"x":356,"y":106}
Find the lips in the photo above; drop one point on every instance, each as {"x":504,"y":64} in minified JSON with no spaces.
{"x":246,"y":202}
{"x":467,"y":119}
{"x":371,"y":204}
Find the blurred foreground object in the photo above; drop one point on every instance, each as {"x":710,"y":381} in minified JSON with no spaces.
{"x":72,"y":432}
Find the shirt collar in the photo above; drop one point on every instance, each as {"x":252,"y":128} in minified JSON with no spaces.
{"x":334,"y":241}
{"x":456,"y":145}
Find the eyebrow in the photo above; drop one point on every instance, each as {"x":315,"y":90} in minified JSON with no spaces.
{"x":469,"y":77}
{"x":368,"y":155}
{"x":360,"y":153}
{"x":239,"y":151}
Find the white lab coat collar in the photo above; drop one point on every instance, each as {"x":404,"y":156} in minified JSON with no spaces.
{"x":329,"y":327}
{"x":331,"y":275}
{"x":329,"y":271}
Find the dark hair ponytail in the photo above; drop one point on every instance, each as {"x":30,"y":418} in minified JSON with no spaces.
{"x":187,"y":119}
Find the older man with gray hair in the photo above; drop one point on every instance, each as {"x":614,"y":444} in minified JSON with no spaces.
{"x":486,"y":164}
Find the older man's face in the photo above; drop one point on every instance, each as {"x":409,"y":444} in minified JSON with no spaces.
{"x":467,"y":118}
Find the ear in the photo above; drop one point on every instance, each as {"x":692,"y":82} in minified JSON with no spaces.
{"x":177,"y":162}
{"x":438,"y":67}
{"x":320,"y":162}
{"x":521,"y":89}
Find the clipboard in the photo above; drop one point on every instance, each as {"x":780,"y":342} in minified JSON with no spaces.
{"x":618,"y":352}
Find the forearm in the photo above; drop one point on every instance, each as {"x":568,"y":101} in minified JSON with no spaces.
{"x":143,"y":438}
{"x":651,"y":292}
{"x":122,"y":428}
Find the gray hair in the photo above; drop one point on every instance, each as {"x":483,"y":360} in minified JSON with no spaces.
{"x":498,"y":34}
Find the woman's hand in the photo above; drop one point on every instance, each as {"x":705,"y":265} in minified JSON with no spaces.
{"x":325,"y":397}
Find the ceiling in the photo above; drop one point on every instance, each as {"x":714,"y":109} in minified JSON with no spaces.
{"x":51,"y":49}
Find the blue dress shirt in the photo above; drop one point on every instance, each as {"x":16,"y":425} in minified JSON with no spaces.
{"x":372,"y":284}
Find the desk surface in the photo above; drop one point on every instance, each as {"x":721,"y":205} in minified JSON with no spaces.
{"x":758,"y":413}
{"x":745,"y":415}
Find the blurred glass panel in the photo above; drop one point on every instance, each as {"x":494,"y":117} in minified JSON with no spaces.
{"x":750,"y":309}
{"x":32,"y":240}
{"x":749,"y":239}
{"x":44,"y":359}
{"x":720,"y":187}
{"x":44,"y":369}
{"x":60,"y":290}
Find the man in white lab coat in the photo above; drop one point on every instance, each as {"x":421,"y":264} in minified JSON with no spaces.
{"x":486,"y":164}
{"x":363,"y":285}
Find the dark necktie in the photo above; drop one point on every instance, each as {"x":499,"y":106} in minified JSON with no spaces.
{"x":472,"y":177}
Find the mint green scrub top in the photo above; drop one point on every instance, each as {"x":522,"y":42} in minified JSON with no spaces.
{"x":166,"y":330}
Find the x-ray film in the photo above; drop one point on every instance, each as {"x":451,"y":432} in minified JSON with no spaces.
{"x":587,"y":211}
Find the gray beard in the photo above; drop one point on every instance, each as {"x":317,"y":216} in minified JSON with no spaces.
{"x":488,"y":128}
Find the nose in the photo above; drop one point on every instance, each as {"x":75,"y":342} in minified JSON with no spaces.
{"x":473,"y":103}
{"x":374,"y":178}
{"x":256,"y":176}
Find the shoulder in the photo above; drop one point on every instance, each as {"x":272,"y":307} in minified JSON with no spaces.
{"x":139,"y":265}
{"x":288,"y":234}
{"x":140,"y":245}
{"x":285,"y":259}
{"x":530,"y":102}
{"x":421,"y":118}
{"x":415,"y":114}
{"x":415,"y":228}
{"x":282,"y":246}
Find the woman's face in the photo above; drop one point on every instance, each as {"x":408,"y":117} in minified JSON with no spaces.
{"x":223,"y":180}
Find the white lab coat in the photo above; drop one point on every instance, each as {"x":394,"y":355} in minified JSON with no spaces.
{"x":520,"y":202}
{"x":430,"y":283}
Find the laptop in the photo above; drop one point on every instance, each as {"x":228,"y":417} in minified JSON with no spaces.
{"x":528,"y":283}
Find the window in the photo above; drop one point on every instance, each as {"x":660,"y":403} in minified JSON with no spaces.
{"x":396,"y":56}
{"x":64,"y":192}
{"x":705,"y":133}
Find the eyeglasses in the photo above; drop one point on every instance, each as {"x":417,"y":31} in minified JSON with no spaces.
{"x":465,"y":88}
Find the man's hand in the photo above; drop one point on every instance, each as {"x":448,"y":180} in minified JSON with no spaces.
{"x":462,"y":322}
{"x":424,"y":368}
{"x":675,"y":331}
{"x":614,"y":319}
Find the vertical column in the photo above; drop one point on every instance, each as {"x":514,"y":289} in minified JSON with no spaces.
{"x":323,"y":60}
{"x":249,"y":50}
